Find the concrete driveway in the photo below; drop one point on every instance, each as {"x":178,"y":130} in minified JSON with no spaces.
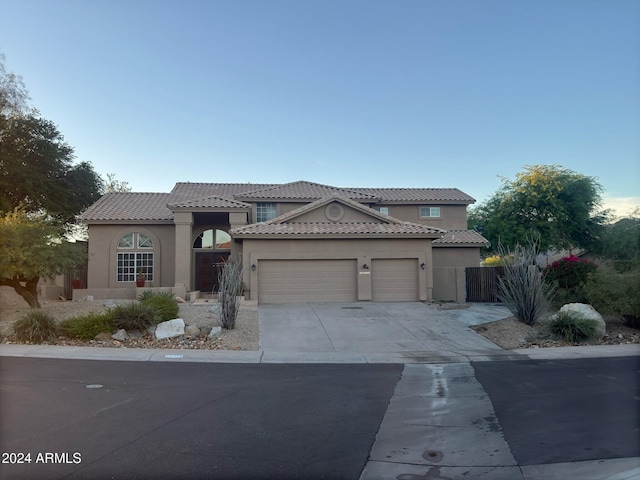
{"x":375,"y":328}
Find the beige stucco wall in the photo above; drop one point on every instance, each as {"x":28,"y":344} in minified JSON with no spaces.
{"x":349,"y":215}
{"x":102,"y":262}
{"x":452,"y":217}
{"x":362,"y":250}
{"x":448,"y":271}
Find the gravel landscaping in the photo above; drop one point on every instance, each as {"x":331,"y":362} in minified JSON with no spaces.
{"x":508,"y":333}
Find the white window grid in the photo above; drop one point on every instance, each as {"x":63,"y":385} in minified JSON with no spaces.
{"x":130,"y":263}
{"x":266,"y":211}
{"x":429,"y":212}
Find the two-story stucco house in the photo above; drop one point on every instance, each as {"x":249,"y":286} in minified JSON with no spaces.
{"x":298,"y":242}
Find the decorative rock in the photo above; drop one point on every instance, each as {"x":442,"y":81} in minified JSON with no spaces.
{"x":192,"y":330}
{"x":586,"y":311}
{"x":215,"y":332}
{"x":135,"y":334}
{"x":109,"y":304}
{"x":205,"y":330}
{"x":179,"y":300}
{"x":103,"y":337}
{"x":151,"y":329}
{"x":87,"y":298}
{"x":214,"y":309}
{"x":120,"y":335}
{"x":169,"y":329}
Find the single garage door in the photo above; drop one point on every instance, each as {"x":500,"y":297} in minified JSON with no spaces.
{"x":394,"y":280}
{"x":302,"y":281}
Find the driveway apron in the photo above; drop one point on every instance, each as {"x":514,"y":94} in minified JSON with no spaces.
{"x":365,"y":328}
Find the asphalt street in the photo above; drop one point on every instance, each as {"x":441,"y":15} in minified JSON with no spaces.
{"x":566,"y":410}
{"x":189,"y":421}
{"x":84,"y":419}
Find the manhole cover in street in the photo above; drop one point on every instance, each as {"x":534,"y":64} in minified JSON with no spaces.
{"x":94,"y":385}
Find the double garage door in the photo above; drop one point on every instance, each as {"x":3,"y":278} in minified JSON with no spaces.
{"x":304,"y":281}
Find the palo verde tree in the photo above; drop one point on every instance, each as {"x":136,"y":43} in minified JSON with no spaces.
{"x":555,"y":204}
{"x":31,"y":247}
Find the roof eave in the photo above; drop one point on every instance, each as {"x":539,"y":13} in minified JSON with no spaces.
{"x":163,"y":221}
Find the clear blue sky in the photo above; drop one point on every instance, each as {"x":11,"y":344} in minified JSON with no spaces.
{"x":418,"y":93}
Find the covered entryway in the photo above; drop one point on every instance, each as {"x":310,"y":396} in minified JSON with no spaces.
{"x":302,"y":281}
{"x":394,"y":280}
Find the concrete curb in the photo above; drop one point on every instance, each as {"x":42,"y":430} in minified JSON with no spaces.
{"x":271,"y":356}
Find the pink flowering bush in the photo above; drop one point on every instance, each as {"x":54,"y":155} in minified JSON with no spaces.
{"x":570,"y":275}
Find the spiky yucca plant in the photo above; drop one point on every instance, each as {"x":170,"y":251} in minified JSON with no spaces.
{"x":522,"y":287}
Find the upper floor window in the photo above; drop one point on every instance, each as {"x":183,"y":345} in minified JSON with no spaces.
{"x":383,"y":210}
{"x":429,"y":212}
{"x":216,"y":239}
{"x":266,"y":211}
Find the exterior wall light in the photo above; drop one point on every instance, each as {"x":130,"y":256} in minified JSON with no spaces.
{"x":422,"y":266}
{"x":253,"y":267}
{"x":365,"y":267}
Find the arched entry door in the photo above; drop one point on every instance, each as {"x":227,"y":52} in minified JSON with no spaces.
{"x":212,"y":248}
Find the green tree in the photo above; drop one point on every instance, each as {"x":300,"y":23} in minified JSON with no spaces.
{"x":621,"y":242}
{"x":14,"y":98}
{"x":556,"y":204}
{"x":112,"y":184}
{"x":37,"y":172}
{"x":31,"y":247}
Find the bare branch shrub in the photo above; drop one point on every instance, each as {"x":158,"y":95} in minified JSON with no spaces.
{"x":230,"y":280}
{"x":522,"y":288}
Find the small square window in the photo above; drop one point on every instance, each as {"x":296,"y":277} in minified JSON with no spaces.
{"x":382,"y":210}
{"x":429,"y":212}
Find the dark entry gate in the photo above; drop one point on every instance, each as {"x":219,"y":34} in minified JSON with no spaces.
{"x":482,"y":283}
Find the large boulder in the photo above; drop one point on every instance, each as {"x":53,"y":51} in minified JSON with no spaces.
{"x":586,"y":311}
{"x":170,"y":329}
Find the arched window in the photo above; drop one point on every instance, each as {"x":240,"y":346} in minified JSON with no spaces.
{"x":134,"y":257}
{"x":214,"y":239}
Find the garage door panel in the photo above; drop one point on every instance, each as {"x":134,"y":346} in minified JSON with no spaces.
{"x":298,"y":281}
{"x":394,"y":280}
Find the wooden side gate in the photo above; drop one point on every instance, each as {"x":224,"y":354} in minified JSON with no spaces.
{"x":482,"y":283}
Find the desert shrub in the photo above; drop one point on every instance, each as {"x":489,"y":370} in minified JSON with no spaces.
{"x":165,"y":305}
{"x":495,"y":261}
{"x":36,"y":326}
{"x":569,"y":275}
{"x":147,"y":294}
{"x":230,"y":280}
{"x":573,"y":328}
{"x":135,"y":316}
{"x":86,"y":327}
{"x":522,"y":287}
{"x":616,"y":293}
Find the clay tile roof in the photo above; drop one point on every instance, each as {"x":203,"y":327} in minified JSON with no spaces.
{"x":190,"y":191}
{"x":461,"y":237}
{"x":210,"y":202}
{"x":418,"y":194}
{"x":303,"y":190}
{"x":330,"y":228}
{"x":127,"y":206}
